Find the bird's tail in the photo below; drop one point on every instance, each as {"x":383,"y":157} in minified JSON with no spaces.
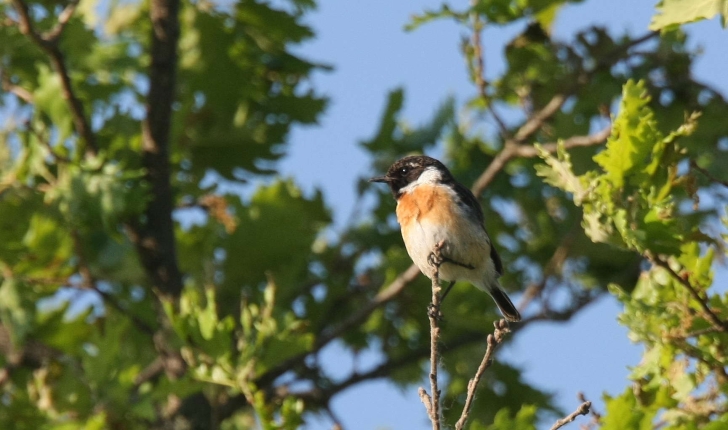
{"x":504,"y":303}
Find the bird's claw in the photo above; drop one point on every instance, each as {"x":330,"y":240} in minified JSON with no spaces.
{"x":434,"y":312}
{"x":435,"y":259}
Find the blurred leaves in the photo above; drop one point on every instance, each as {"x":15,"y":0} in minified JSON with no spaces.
{"x":271,"y":285}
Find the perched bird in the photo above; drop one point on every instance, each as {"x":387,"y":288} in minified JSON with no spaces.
{"x":432,"y":207}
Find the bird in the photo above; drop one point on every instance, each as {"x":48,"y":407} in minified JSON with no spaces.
{"x":434,"y":209}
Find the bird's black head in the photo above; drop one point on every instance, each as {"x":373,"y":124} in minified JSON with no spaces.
{"x":412,"y":171}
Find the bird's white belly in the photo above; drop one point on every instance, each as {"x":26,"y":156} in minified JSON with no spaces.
{"x":466,"y":244}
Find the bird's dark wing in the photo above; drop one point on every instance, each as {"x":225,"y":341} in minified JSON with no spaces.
{"x":473,"y":205}
{"x":469,"y":201}
{"x":496,"y":259}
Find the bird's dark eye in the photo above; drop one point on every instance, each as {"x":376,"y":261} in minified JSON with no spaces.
{"x":404,"y":170}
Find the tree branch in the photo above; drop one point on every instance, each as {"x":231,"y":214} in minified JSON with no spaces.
{"x":65,"y":16}
{"x":514,"y":150}
{"x":495,"y":339}
{"x":715,"y":321}
{"x":384,"y":296}
{"x":479,"y":70}
{"x":694,"y":165}
{"x":18,"y":91}
{"x":49,"y":43}
{"x":432,"y":401}
{"x":90,"y":282}
{"x":512,"y":146}
{"x":154,"y":238}
{"x":320,"y":396}
{"x":583,"y":409}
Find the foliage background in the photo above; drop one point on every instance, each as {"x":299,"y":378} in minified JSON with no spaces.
{"x":349,"y":118}
{"x":268,"y":202}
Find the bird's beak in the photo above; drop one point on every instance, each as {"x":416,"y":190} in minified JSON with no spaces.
{"x":381,"y":179}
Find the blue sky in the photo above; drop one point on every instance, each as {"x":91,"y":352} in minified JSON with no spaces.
{"x":372,"y":54}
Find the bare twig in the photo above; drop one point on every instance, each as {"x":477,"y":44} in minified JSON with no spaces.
{"x":583,"y":409}
{"x":320,"y":396}
{"x":552,"y":267}
{"x":387,"y":294}
{"x":514,"y":150}
{"x":432,"y":402}
{"x":334,"y":418}
{"x":55,"y":33}
{"x":48,"y":43}
{"x":596,"y":417}
{"x":90,"y":282}
{"x":384,"y":296}
{"x":715,"y":321}
{"x":478,"y":70}
{"x":707,"y":174}
{"x":501,"y":329}
{"x":539,"y":118}
{"x":47,"y":144}
{"x":512,"y":146}
{"x":18,"y":91}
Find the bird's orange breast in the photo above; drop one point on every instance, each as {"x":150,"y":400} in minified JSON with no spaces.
{"x":426,"y":203}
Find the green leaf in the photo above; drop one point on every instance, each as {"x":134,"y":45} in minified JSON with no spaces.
{"x":671,"y":13}
{"x":623,"y":413}
{"x":634,"y":133}
{"x":16,"y":309}
{"x":559,"y":173}
{"x":428,"y":16}
{"x":252,"y":250}
{"x":58,"y":329}
{"x":49,"y":100}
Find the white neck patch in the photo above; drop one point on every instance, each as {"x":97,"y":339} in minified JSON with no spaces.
{"x":431,"y":175}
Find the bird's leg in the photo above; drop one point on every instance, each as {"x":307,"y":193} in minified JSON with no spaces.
{"x":457,"y":263}
{"x":435,"y":259}
{"x":449,"y":287}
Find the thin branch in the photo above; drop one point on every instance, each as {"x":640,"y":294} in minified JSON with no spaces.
{"x":572,"y":142}
{"x":479,"y":71}
{"x":696,"y":333}
{"x":579,"y":302}
{"x":397,"y":286}
{"x":530,"y":127}
{"x":707,"y":174}
{"x":48,"y":43}
{"x":63,"y":18}
{"x":90,"y":282}
{"x":18,"y":91}
{"x":513,"y":150}
{"x":432,"y":401}
{"x":715,"y":321}
{"x":149,"y":373}
{"x":596,"y":417}
{"x":334,"y":418}
{"x":512,"y":146}
{"x":384,"y":296}
{"x":553,"y":266}
{"x":321,"y":396}
{"x":47,"y":144}
{"x":583,"y":409}
{"x":495,"y":339}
